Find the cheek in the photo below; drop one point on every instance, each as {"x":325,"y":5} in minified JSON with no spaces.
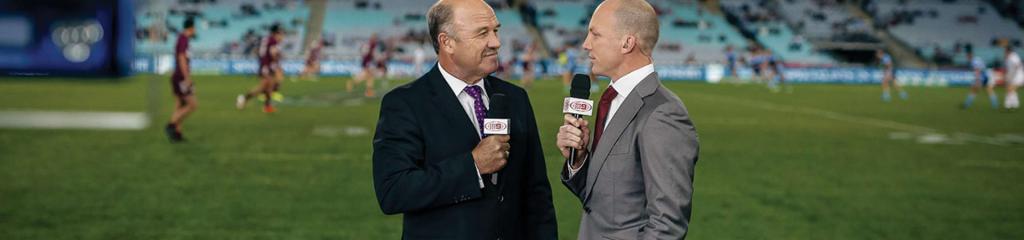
{"x":603,"y":47}
{"x":464,"y":55}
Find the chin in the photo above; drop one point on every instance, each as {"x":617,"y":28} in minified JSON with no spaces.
{"x":489,"y":67}
{"x":597,"y":72}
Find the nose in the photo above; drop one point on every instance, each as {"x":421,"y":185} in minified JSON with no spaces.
{"x":586,"y":43}
{"x":494,"y":42}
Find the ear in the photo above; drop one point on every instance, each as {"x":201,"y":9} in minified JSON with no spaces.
{"x":628,"y":44}
{"x":445,"y":43}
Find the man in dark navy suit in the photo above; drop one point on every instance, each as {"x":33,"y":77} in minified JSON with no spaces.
{"x":431,"y":160}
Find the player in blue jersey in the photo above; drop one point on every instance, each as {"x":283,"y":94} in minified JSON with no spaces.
{"x":776,"y":80}
{"x":731,"y":63}
{"x":889,"y":76}
{"x":981,"y":79}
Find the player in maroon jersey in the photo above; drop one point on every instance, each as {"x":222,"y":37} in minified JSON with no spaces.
{"x":312,"y":60}
{"x":269,"y":71}
{"x":181,"y":83}
{"x":370,"y":68}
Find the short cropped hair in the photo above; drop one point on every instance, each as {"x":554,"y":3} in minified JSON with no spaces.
{"x":639,"y":18}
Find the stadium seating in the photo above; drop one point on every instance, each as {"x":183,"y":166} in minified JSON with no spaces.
{"x":926,"y":24}
{"x":821,"y":19}
{"x":221,"y":24}
{"x":686,"y":29}
{"x":764,"y":24}
{"x":347,"y":23}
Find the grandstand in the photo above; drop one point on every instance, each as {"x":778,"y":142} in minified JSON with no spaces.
{"x":824,"y":20}
{"x":800,"y":32}
{"x":696,"y":31}
{"x":228,"y":25}
{"x":232,"y":27}
{"x":687,"y":29}
{"x":925,"y":25}
{"x":762,"y":23}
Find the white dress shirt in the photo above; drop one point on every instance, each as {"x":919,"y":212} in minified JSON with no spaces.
{"x":458,"y":88}
{"x":623,"y":86}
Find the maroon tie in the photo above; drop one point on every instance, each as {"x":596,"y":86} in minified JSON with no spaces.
{"x":602,"y":113}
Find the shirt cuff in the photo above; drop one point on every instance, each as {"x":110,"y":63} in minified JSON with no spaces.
{"x":573,"y":171}
{"x":479,"y":178}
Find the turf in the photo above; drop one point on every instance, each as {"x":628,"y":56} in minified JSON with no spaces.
{"x":822,"y":162}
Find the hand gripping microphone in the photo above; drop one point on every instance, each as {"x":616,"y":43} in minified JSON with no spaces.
{"x":578,"y":103}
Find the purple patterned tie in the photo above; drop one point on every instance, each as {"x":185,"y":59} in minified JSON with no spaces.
{"x":478,"y":105}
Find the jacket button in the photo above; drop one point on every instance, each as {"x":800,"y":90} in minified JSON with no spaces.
{"x":501,"y":198}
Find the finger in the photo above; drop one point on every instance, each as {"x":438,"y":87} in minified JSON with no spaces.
{"x":574,"y":132}
{"x":575,"y":122}
{"x":572,"y":121}
{"x":569,"y":129}
{"x":562,"y":143}
{"x":570,"y":144}
{"x":567,"y":118}
{"x":502,"y":138}
{"x":573,"y":143}
{"x":564,"y":129}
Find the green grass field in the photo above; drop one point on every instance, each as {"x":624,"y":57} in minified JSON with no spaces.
{"x":822,"y":162}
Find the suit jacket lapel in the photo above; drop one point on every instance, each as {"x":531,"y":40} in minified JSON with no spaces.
{"x":449,"y":105}
{"x":623,"y":117}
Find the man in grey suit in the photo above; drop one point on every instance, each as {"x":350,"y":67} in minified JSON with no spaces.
{"x":635,"y":180}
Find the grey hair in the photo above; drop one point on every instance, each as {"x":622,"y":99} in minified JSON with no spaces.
{"x":638,"y":17}
{"x":439,"y":19}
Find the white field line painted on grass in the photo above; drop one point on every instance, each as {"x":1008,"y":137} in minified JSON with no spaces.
{"x":73,"y":120}
{"x":922,"y":134}
{"x":335,"y":131}
{"x":821,"y":113}
{"x":286,"y":156}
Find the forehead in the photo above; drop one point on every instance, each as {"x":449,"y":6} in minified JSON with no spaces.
{"x":602,"y":17}
{"x":475,"y":16}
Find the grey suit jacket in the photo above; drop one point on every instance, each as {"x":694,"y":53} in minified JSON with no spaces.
{"x":638,"y":182}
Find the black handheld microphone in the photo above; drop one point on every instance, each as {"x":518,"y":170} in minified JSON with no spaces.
{"x":578,"y":103}
{"x":496,"y":123}
{"x":497,"y":120}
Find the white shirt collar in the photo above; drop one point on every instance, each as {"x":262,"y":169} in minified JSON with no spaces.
{"x":629,"y":81}
{"x":458,"y":85}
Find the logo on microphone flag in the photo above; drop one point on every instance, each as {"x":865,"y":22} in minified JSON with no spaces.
{"x":578,"y":106}
{"x":495,"y":126}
